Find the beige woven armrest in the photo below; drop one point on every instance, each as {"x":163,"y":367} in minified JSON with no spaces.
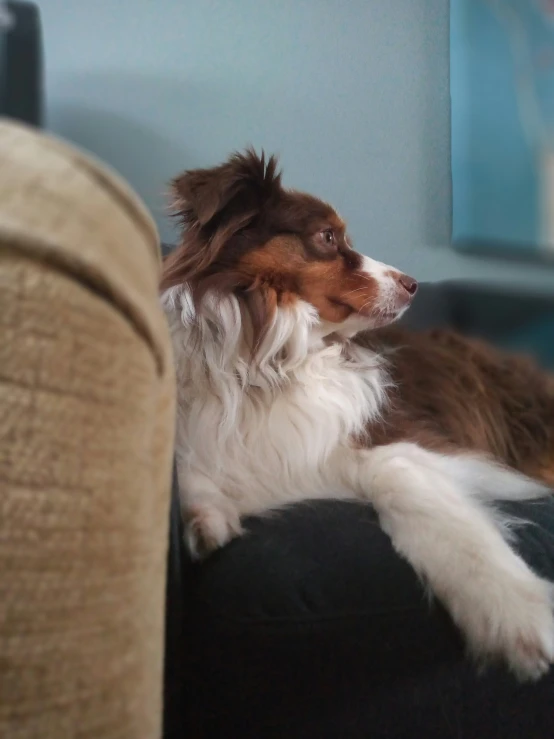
{"x":86,"y":434}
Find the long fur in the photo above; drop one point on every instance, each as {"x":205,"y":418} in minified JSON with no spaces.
{"x":281,"y":399}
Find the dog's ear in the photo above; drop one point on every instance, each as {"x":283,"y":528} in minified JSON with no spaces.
{"x":200,"y":194}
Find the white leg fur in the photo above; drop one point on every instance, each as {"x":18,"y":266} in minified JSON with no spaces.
{"x":503,"y":608}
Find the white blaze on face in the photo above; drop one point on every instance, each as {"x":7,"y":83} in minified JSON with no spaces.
{"x":395,"y":291}
{"x":387,"y":280}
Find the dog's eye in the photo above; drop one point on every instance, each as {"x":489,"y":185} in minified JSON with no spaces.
{"x":328,"y":237}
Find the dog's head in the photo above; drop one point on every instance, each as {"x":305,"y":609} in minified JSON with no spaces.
{"x":245,"y":234}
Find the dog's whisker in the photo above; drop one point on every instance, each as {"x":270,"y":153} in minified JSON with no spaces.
{"x":351,"y":292}
{"x":365,"y":305}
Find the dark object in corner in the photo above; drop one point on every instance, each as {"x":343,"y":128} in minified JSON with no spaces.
{"x":21,"y":68}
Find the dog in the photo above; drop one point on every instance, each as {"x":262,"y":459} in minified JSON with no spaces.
{"x":294,"y":384}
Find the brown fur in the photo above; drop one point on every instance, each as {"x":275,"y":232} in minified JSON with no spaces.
{"x":455,"y":392}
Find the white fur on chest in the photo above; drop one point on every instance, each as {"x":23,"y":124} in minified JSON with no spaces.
{"x":267,"y":436}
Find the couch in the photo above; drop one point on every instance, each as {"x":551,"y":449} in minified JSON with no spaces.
{"x":87,"y":413}
{"x":312,"y":626}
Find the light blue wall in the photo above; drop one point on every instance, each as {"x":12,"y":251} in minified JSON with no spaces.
{"x":353,"y":94}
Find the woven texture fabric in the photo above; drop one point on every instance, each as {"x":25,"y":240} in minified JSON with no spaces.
{"x":86,"y":430}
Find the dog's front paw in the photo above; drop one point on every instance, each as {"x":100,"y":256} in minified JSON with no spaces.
{"x":528,"y":635}
{"x":208,"y":527}
{"x":514,"y":623}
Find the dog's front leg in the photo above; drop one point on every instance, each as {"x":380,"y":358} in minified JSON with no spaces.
{"x":210,"y":518}
{"x":503,"y":608}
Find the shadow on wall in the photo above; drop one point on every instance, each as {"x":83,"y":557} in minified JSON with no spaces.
{"x":143,"y":157}
{"x":179,"y":123}
{"x":92,"y":111}
{"x":142,"y":154}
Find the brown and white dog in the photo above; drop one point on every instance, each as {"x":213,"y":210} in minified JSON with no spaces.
{"x":292,"y":385}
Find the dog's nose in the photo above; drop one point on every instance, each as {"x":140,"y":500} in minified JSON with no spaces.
{"x":408,"y":283}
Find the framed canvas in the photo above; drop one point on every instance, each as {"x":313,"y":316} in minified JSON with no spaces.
{"x":502,"y":93}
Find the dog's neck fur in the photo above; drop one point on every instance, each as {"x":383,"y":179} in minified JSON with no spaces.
{"x":304,"y":395}
{"x":296,"y":342}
